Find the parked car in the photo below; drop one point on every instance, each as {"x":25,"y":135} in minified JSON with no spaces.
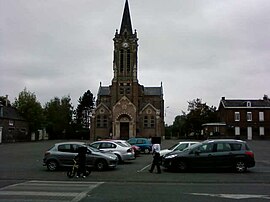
{"x":143,"y":143}
{"x":122,"y":151}
{"x":180,"y":146}
{"x":226,"y":153}
{"x":135,"y":148}
{"x":62,"y":155}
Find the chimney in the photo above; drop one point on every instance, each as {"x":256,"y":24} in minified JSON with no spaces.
{"x":223,"y":98}
{"x":265,"y":97}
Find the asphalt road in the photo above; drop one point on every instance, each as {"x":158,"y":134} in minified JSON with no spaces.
{"x":23,"y":178}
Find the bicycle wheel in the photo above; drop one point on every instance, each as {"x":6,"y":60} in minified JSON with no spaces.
{"x":71,"y":173}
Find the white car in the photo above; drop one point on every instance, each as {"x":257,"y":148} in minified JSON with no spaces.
{"x":122,"y":151}
{"x":180,"y":146}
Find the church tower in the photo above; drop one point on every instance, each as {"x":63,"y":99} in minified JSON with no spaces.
{"x":125,"y":81}
{"x":127,"y":109}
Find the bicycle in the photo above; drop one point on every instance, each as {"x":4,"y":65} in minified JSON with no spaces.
{"x":74,"y":169}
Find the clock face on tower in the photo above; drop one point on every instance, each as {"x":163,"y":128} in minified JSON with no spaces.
{"x":125,"y":44}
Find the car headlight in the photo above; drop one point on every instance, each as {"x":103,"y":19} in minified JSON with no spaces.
{"x":170,"y":156}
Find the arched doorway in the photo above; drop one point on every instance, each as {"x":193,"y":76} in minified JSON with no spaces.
{"x":124,"y":127}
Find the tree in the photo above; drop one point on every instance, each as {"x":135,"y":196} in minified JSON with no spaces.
{"x":83,"y":113}
{"x":28,"y":106}
{"x":198,"y":114}
{"x":59,"y":117}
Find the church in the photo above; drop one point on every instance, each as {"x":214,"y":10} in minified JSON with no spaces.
{"x":126,"y":108}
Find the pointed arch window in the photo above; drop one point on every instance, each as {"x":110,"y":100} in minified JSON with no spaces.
{"x":121,"y":61}
{"x":128,"y":61}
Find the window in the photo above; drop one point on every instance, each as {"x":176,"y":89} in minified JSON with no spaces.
{"x":236,"y":147}
{"x":248,"y":104}
{"x":237,"y":116}
{"x":64,"y":148}
{"x":237,"y":130}
{"x":128,"y":61}
{"x":152,"y":121}
{"x":261,"y":130}
{"x":102,"y":121}
{"x":121,"y":61}
{"x":261,"y":116}
{"x":249,"y":116}
{"x":149,"y":122}
{"x":223,"y":147}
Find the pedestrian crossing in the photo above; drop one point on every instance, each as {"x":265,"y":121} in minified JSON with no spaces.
{"x":52,"y":191}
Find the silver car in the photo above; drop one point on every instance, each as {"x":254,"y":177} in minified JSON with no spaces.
{"x":180,"y":146}
{"x":62,"y":155}
{"x":122,"y":151}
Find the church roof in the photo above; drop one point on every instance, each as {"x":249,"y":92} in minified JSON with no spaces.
{"x":104,"y":90}
{"x":153,"y":91}
{"x":126,"y":20}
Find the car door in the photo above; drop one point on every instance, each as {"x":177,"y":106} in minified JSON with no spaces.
{"x":65,"y":154}
{"x":202,"y":156}
{"x":223,"y":155}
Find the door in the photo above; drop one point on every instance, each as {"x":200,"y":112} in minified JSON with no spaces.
{"x":249,"y":133}
{"x":202,"y":156}
{"x":223,"y":155}
{"x":124,"y":130}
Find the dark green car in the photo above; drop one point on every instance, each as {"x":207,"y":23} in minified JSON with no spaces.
{"x":214,"y":154}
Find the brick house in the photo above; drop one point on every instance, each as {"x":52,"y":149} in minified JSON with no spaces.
{"x":13,"y":127}
{"x":126,"y":108}
{"x":245,"y":119}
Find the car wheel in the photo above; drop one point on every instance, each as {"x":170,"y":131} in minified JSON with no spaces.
{"x":240,"y":166}
{"x":52,"y":165}
{"x":181,"y":166}
{"x":146,"y":150}
{"x":101,"y":164}
{"x":119,"y":158}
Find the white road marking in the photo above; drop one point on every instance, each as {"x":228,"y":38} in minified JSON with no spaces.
{"x":144,"y":168}
{"x":234,"y":196}
{"x":73,"y":189}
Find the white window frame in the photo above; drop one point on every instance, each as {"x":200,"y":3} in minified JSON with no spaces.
{"x":261,"y":130}
{"x":249,"y":116}
{"x":237,"y":131}
{"x":261,"y":116}
{"x":237,"y":116}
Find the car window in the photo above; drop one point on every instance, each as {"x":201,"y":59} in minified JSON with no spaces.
{"x":106,"y":145}
{"x":95,"y":145}
{"x":181,"y":147}
{"x":205,"y":148}
{"x":236,"y":146}
{"x":75,"y":147}
{"x":222,"y":147}
{"x":140,"y":141}
{"x":132,"y":141}
{"x":65,"y":148}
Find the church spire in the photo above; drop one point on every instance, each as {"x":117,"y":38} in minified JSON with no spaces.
{"x":126,"y":20}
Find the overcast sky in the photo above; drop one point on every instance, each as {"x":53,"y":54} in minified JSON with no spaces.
{"x":197,"y":48}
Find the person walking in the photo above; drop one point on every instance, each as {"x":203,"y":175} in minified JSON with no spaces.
{"x":156,"y":158}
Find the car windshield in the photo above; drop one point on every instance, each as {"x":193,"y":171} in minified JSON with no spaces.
{"x":171,"y":148}
{"x":192,"y":147}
